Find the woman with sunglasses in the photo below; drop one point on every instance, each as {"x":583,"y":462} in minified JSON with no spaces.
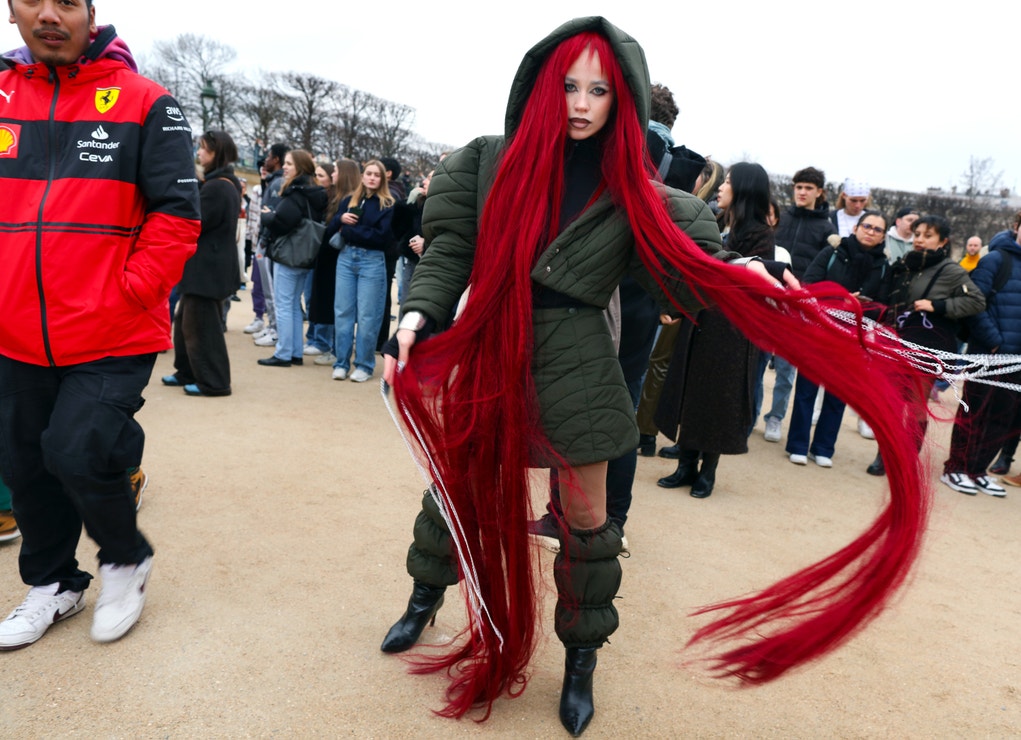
{"x":858,"y":264}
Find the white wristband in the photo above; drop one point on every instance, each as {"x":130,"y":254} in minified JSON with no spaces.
{"x":412,"y":320}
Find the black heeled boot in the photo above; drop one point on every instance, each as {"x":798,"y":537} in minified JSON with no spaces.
{"x":876,"y":467}
{"x":1002,"y":464}
{"x":703,"y":487}
{"x":673,"y":452}
{"x":646,"y":445}
{"x":576,"y":705}
{"x":686,"y":473}
{"x":425,"y":601}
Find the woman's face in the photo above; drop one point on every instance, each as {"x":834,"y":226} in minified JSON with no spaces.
{"x":871,"y":232}
{"x":425,"y":183}
{"x":336,"y":173}
{"x":589,"y":97}
{"x":371,"y":178}
{"x":322,"y":177}
{"x":724,"y":196}
{"x":927,"y":237}
{"x":204,"y":156}
{"x":289,"y":169}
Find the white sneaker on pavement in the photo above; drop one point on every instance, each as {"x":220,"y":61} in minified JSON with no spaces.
{"x":960,"y":483}
{"x":121,"y":600}
{"x":772,"y":433}
{"x":799,"y":459}
{"x":360,"y":376}
{"x":339,"y":373}
{"x":310,"y":349}
{"x":865,"y":430}
{"x":256,"y":326}
{"x":326,"y":358}
{"x":269,"y":339}
{"x":989,"y":485}
{"x":821,"y":461}
{"x":42,"y":607}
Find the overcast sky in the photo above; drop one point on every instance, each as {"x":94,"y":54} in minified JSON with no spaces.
{"x":899,"y":93}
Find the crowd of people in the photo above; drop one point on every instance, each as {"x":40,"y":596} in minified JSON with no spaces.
{"x":621,"y":286}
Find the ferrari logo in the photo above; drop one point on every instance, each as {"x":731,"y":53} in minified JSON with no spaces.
{"x":106,"y":98}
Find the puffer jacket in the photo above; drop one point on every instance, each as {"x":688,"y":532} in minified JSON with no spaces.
{"x":999,"y":325}
{"x":587,"y":260}
{"x":804,"y":234}
{"x":100,"y":207}
{"x":953,"y":295}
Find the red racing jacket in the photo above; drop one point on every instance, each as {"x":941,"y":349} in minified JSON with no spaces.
{"x":99,"y":207}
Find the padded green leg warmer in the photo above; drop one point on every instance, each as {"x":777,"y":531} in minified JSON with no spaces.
{"x":587,"y":574}
{"x":431,"y":557}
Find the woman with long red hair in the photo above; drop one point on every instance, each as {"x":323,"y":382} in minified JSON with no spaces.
{"x":542,"y":224}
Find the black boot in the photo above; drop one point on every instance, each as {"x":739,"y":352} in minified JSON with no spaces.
{"x":646,"y":445}
{"x":877,"y":467}
{"x":673,"y":452}
{"x":425,"y":601}
{"x":576,"y":707}
{"x":686,"y":473}
{"x":1002,"y":464}
{"x":703,"y":487}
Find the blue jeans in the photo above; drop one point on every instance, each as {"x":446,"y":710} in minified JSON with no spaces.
{"x":321,"y":336}
{"x":785,"y":372}
{"x":288,"y":283}
{"x":826,"y":429}
{"x":361,"y":282}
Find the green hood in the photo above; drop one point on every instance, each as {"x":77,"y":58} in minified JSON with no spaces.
{"x":627,"y":50}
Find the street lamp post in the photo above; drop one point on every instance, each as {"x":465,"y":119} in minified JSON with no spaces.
{"x":208,"y":97}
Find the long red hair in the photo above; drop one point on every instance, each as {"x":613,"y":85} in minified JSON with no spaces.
{"x":470,"y":393}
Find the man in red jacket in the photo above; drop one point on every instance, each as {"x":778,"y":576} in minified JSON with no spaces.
{"x":99,"y":212}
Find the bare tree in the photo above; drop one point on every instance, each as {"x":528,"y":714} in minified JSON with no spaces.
{"x":352,"y":107}
{"x":981,"y":177}
{"x":186,"y":65}
{"x":387,"y":123}
{"x":310,"y":102}
{"x":260,"y":110}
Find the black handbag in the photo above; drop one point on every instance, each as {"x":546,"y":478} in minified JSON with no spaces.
{"x":299,"y":247}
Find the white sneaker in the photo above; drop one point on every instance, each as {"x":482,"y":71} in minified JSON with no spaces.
{"x":326,"y":358}
{"x":822,"y":462}
{"x":261,"y":332}
{"x":269,"y":339}
{"x":41,"y":608}
{"x":120,"y":602}
{"x":360,"y":376}
{"x":799,"y":459}
{"x":772,"y":433}
{"x":865,"y":430}
{"x":989,"y":485}
{"x":960,"y":483}
{"x":311,"y":350}
{"x":256,"y":326}
{"x":339,"y":373}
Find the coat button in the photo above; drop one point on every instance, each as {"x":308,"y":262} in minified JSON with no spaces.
{"x":548,"y":269}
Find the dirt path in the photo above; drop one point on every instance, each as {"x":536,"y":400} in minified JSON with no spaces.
{"x":281,"y":516}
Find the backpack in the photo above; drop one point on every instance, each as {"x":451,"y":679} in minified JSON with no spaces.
{"x":999,"y":280}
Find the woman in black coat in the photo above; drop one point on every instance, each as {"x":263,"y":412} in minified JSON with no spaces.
{"x":210,"y":276}
{"x":858,"y":264}
{"x":707,"y":399}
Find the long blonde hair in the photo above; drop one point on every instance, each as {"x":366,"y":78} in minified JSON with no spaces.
{"x":385,"y":199}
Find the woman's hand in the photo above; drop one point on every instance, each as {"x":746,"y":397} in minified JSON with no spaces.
{"x":417,"y":244}
{"x":759,"y":268}
{"x":349,"y":218}
{"x":667,"y":320}
{"x":405,"y":340}
{"x":923,"y":304}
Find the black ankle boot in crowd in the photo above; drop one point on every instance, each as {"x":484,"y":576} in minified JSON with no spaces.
{"x":686,"y":473}
{"x":1002,"y":464}
{"x":703,"y":487}
{"x":576,"y":707}
{"x":647,"y":445}
{"x":876,"y":467}
{"x":425,"y":601}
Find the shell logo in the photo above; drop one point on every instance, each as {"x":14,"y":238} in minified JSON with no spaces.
{"x":9,"y":134}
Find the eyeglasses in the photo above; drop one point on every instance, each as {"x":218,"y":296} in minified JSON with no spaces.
{"x":872,"y":229}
